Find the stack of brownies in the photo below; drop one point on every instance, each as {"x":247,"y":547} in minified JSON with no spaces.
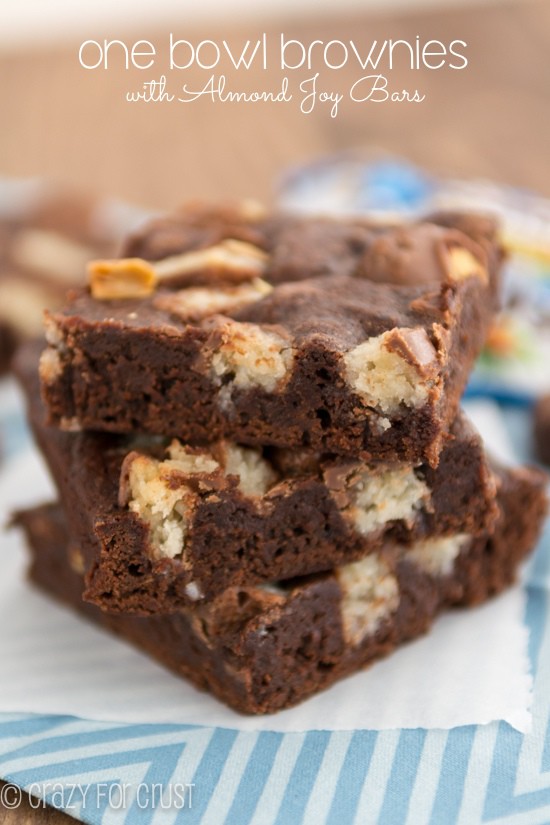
{"x":253,"y":422}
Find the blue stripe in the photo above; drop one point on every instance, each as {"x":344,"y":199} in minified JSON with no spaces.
{"x":98,"y":810}
{"x":303,"y":777}
{"x":540,"y":565}
{"x":545,"y":759}
{"x":454,"y":767}
{"x":253,"y":780}
{"x":536,"y":612}
{"x":207,"y":775}
{"x":86,"y":738}
{"x":352,"y":777}
{"x":403,"y":774}
{"x":159,"y":774}
{"x":500,"y":800}
{"x":31,"y":726}
{"x":72,"y":767}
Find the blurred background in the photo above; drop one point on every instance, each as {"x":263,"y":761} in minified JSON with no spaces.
{"x":64,"y":122}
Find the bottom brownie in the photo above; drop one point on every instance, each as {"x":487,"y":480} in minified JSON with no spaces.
{"x":263,"y":648}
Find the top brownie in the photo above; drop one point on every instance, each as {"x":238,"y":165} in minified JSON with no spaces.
{"x":341,"y":336}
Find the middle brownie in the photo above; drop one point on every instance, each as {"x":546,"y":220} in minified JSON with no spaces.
{"x":162,"y":525}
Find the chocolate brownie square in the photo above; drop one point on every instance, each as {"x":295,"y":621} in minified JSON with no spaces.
{"x":335,"y":336}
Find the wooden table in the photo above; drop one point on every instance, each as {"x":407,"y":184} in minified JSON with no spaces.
{"x":492,"y":120}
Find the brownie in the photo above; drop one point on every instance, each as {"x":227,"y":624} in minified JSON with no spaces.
{"x":541,"y":429}
{"x":343,"y":337}
{"x":161,"y":524}
{"x":260,"y":649}
{"x":47,"y":236}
